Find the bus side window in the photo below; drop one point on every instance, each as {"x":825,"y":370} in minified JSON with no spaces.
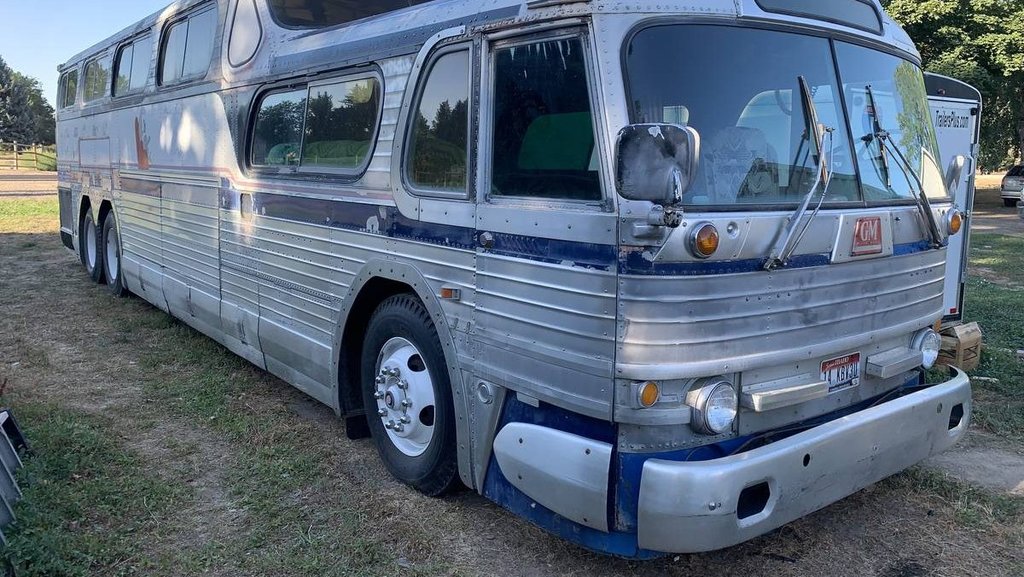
{"x":68,"y":89}
{"x":188,"y":47}
{"x":341,"y":121}
{"x":132,"y":66}
{"x":543,"y":123}
{"x":277,"y":136}
{"x":97,"y":79}
{"x":438,"y":142}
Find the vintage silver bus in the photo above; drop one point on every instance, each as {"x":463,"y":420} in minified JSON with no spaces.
{"x":659,"y":276}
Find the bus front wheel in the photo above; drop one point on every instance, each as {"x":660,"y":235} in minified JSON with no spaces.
{"x":407,"y":396}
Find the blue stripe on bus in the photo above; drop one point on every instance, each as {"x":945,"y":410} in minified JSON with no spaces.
{"x":348,"y":215}
{"x":636,"y":264}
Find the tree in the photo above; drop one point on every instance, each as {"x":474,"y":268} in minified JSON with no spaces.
{"x":980,"y":42}
{"x":44,"y":121}
{"x":16,"y":122}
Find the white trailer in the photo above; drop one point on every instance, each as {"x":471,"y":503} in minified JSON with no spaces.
{"x":956,"y":112}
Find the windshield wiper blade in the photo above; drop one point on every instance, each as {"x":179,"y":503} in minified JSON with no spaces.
{"x":784,"y":244}
{"x":923,"y":204}
{"x":879,"y":135}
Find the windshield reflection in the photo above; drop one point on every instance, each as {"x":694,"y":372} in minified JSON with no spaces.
{"x":738,"y":88}
{"x":901,"y":103}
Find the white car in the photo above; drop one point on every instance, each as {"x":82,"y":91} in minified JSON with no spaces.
{"x":1013,"y":185}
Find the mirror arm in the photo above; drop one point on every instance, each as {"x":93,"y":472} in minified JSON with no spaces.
{"x":665,"y":216}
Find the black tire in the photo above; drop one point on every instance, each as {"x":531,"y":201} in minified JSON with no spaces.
{"x":111,"y":245}
{"x":91,"y":255}
{"x":435,"y":471}
{"x":1009,"y":202}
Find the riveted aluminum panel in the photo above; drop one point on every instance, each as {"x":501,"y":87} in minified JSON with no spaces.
{"x":547,"y":330}
{"x":678,"y":327}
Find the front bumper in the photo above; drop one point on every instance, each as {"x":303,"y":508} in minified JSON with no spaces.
{"x":690,"y":507}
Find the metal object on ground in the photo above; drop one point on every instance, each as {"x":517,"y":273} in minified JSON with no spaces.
{"x":12,"y":446}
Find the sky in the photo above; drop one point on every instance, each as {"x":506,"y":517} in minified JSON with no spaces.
{"x":38,"y":35}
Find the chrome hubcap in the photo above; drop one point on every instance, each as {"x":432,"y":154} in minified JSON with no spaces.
{"x":90,"y":243}
{"x":113,"y":262}
{"x":405,"y":396}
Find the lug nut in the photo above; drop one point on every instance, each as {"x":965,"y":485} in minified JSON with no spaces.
{"x":378,"y":395}
{"x":403,"y":385}
{"x":381,"y":379}
{"x":406,"y":420}
{"x":406,"y":403}
{"x":399,"y":428}
{"x":382,"y":412}
{"x":389,"y":425}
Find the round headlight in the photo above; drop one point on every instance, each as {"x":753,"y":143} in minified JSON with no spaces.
{"x":928,"y":342}
{"x":714,"y":408}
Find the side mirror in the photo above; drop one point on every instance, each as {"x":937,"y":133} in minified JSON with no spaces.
{"x":656,"y":162}
{"x":955,"y":173}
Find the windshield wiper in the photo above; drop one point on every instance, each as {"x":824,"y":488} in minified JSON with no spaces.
{"x":883,"y":137}
{"x":880,"y":135}
{"x":785,"y":244}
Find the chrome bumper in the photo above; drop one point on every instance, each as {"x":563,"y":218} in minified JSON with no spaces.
{"x":695,"y":506}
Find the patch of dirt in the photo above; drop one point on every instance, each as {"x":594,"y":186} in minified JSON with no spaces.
{"x":56,"y":346}
{"x":27,"y":183}
{"x":984,"y":461}
{"x":989,"y":214}
{"x":993,"y":277}
{"x":201,"y":460}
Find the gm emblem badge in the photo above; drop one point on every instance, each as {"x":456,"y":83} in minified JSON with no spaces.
{"x":867,"y":236}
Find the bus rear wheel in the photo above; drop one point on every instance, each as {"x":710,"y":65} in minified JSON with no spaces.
{"x":407,"y":396}
{"x":90,"y":242}
{"x":112,"y":256}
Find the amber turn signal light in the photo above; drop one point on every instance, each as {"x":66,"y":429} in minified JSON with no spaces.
{"x":954,"y":221}
{"x":704,"y":240}
{"x":648,"y":394}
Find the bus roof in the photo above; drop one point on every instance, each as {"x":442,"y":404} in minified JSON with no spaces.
{"x":344,"y":23}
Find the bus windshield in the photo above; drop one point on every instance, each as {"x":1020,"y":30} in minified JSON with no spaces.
{"x":739,"y":89}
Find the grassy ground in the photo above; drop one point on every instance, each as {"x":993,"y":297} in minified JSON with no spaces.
{"x":160,"y":453}
{"x":27,"y":215}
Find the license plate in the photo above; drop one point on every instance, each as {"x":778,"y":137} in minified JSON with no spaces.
{"x":842,"y":372}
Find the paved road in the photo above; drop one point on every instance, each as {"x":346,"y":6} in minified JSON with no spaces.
{"x":27,"y":183}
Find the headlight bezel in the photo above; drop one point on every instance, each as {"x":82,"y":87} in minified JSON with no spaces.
{"x":933,"y":341}
{"x":699,"y":399}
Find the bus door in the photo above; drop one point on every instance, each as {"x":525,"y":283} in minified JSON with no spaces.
{"x":545,"y":314}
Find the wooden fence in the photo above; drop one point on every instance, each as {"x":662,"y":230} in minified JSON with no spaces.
{"x":15,"y":156}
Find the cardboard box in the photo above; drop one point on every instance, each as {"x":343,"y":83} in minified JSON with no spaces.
{"x":961,"y":346}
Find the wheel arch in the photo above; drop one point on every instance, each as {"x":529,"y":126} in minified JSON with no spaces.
{"x":379,"y":280}
{"x":105,"y":208}
{"x":84,"y":204}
